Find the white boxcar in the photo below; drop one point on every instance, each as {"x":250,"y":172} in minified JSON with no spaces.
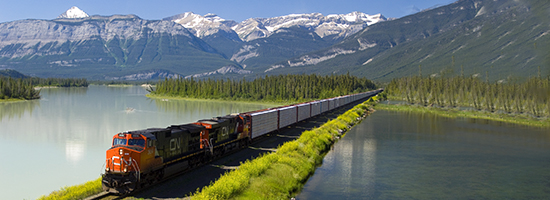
{"x":324,"y":105}
{"x":304,"y":111}
{"x":348,"y":99}
{"x":315,"y":108}
{"x":263,"y":122}
{"x":342,"y":101}
{"x":331,"y":104}
{"x":287,"y":116}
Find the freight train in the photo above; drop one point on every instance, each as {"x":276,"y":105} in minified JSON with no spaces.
{"x":143,"y":157}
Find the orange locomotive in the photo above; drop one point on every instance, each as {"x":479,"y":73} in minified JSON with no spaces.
{"x":139,"y":158}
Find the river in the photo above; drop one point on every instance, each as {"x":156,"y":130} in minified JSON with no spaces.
{"x":397,"y":155}
{"x":61,"y":139}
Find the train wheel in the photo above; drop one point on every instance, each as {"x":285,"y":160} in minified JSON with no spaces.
{"x":160,"y":174}
{"x":131,"y":187}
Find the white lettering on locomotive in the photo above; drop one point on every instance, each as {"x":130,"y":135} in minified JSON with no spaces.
{"x":175,"y":143}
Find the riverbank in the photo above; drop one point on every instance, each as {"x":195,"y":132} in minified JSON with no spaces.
{"x":455,"y":113}
{"x":282,"y":174}
{"x":11,"y":100}
{"x":269,"y":103}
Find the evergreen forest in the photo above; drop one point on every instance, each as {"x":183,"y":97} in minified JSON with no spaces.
{"x":59,"y":82}
{"x":280,"y":88}
{"x":531,"y":97}
{"x":22,"y":86}
{"x":17,"y":89}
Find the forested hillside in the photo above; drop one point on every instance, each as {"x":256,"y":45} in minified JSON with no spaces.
{"x":531,"y":97}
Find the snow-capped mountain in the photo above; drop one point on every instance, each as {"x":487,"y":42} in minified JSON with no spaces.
{"x":104,"y":47}
{"x":335,"y":25}
{"x":203,"y":25}
{"x":73,"y":12}
{"x":338,"y":26}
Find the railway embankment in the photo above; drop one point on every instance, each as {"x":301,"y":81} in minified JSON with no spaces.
{"x":281,"y":174}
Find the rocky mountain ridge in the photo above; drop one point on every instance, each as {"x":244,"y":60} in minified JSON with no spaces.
{"x":336,"y":25}
{"x":126,"y":47}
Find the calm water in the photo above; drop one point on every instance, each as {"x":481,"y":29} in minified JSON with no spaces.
{"x":393,"y":155}
{"x":61,"y":139}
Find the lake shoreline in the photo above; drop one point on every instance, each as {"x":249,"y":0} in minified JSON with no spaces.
{"x":454,"y":113}
{"x":166,"y":98}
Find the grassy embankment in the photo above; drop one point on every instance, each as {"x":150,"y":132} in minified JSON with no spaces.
{"x":281,"y":174}
{"x":76,"y":192}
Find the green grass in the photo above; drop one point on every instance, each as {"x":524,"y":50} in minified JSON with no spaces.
{"x":76,"y":192}
{"x":282,"y":174}
{"x":11,"y":100}
{"x":454,"y":113}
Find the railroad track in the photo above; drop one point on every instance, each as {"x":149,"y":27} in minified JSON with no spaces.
{"x":103,"y":195}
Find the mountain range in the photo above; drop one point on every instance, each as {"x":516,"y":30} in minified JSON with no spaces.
{"x":497,"y":38}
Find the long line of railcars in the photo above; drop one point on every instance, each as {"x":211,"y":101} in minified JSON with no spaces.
{"x":142,"y":157}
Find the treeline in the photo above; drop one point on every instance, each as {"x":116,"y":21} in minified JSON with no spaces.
{"x":59,"y":82}
{"x":23,"y":88}
{"x":270,"y":88}
{"x":17,"y":89}
{"x":530,"y":97}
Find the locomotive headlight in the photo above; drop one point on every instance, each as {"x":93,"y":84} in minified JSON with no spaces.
{"x":120,"y":151}
{"x":126,"y":169}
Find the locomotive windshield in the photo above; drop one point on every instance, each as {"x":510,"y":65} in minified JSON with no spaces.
{"x":136,"y":142}
{"x":119,"y":141}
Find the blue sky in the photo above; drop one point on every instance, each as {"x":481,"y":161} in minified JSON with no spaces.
{"x":238,"y":10}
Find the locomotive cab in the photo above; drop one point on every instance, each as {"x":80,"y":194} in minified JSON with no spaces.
{"x":131,"y":155}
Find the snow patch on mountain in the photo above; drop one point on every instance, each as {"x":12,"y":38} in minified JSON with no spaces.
{"x":203,"y":26}
{"x":224,"y":70}
{"x":313,"y":59}
{"x":246,"y":52}
{"x":363,"y":45}
{"x":73,"y":12}
{"x":146,"y":75}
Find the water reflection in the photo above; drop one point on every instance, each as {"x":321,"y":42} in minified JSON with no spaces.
{"x":17,"y":109}
{"x":75,"y":150}
{"x":67,"y":132}
{"x":396,"y":155}
{"x":65,"y":91}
